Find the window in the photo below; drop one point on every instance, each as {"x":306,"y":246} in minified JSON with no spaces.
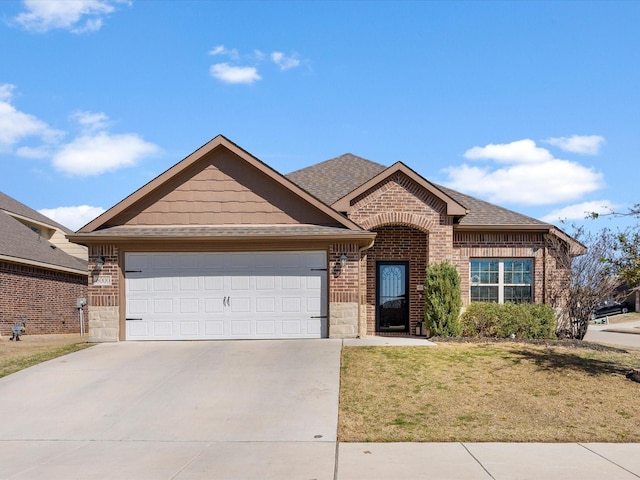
{"x":501,"y":280}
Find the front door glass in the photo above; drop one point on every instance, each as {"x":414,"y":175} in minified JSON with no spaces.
{"x":392,"y":299}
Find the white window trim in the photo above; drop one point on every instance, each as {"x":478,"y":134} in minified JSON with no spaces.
{"x":501,"y":283}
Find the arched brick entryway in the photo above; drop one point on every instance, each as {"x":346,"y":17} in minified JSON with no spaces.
{"x":404,"y":244}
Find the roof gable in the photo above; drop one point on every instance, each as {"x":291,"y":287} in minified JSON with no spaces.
{"x":452,"y":207}
{"x":219,"y":184}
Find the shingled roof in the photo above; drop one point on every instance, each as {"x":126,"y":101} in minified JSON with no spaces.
{"x":333,"y":179}
{"x":11,"y":205}
{"x":20,"y":244}
{"x":485,"y":213}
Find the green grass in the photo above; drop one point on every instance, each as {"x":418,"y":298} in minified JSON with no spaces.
{"x":483,"y":392}
{"x":12,"y":365}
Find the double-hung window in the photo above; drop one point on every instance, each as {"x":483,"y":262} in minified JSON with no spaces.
{"x":502,"y":280}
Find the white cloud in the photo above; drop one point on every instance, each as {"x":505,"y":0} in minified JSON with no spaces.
{"x":526,"y":175}
{"x":90,"y":121}
{"x":585,"y":144}
{"x":222,"y":50}
{"x":284,"y":62}
{"x":6,"y":92}
{"x":579,"y":211}
{"x":232,"y":74}
{"x":94,"y":154}
{"x":77,"y":16}
{"x":522,"y":151}
{"x":73,"y":217}
{"x":43,"y":151}
{"x":16,"y":125}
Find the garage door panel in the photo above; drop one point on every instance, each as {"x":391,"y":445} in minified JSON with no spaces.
{"x":213,"y":283}
{"x":189,"y":328}
{"x":162,"y":284}
{"x":239,"y":304}
{"x":266,"y":327}
{"x":214,"y":328}
{"x":213,"y":305}
{"x":188,"y":283}
{"x":189,"y":305}
{"x":163,"y":305}
{"x":257,"y":295}
{"x":241,"y":328}
{"x":265,"y":305}
{"x":161,"y":328}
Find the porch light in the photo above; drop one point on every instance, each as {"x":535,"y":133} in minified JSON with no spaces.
{"x":99,"y":263}
{"x":343,"y":260}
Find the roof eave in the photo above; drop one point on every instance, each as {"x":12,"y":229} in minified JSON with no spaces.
{"x":510,"y":227}
{"x":360,"y":237}
{"x":44,"y":265}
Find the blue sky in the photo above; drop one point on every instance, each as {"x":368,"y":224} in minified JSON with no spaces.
{"x":534,"y":106}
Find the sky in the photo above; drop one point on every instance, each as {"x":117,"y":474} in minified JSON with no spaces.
{"x":533,"y":106}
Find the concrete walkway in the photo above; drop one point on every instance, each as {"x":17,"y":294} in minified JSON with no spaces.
{"x":237,"y":410}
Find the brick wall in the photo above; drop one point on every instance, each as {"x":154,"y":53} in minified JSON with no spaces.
{"x":104,"y":295}
{"x":468,"y":245}
{"x":47,"y":297}
{"x":104,"y":299}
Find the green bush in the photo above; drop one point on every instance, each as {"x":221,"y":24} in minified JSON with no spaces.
{"x":442,"y":300}
{"x":503,"y":320}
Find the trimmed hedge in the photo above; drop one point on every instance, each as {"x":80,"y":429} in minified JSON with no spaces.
{"x":495,"y":320}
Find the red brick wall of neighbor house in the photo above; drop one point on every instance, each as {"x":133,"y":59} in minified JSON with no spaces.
{"x":398,"y":243}
{"x":104,"y":295}
{"x":47,"y":297}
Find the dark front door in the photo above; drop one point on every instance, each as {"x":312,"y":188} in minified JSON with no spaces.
{"x":392,"y":307}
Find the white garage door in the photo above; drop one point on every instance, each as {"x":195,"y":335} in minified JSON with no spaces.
{"x":225,"y":295}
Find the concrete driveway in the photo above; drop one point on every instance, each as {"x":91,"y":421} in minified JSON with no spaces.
{"x":175,"y":410}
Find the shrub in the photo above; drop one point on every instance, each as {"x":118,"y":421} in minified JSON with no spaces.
{"x":503,"y":320}
{"x":442,"y":300}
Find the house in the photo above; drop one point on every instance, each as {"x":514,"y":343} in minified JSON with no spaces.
{"x":42,"y":274}
{"x":221,"y":246}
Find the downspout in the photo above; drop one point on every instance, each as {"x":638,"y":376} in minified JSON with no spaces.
{"x":360,"y":250}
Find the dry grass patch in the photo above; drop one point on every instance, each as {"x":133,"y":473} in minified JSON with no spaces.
{"x":34,"y":349}
{"x":513,"y":392}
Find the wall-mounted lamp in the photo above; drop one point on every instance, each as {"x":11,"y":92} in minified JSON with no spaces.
{"x":343,"y":260}
{"x":99,"y":263}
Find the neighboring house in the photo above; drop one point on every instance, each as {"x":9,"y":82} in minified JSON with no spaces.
{"x":222,"y":246}
{"x":42,"y":274}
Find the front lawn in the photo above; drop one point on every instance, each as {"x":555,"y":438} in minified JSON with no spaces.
{"x":488,"y":392}
{"x":34,"y":349}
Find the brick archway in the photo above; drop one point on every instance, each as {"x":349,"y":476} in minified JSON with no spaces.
{"x":404,"y":219}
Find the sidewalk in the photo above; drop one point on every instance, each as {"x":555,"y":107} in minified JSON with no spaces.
{"x":486,"y":461}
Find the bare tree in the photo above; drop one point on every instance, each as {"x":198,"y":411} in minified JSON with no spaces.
{"x":588,"y":280}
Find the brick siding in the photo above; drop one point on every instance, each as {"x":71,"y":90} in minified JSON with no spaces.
{"x":47,"y":297}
